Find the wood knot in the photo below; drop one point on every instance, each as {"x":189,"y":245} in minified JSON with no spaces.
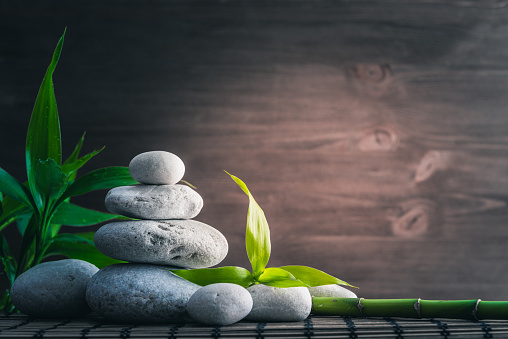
{"x":430,"y":163}
{"x":414,"y":218}
{"x":371,"y":72}
{"x":379,"y":139}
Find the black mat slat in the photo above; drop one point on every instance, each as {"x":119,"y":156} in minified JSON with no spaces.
{"x":20,"y":326}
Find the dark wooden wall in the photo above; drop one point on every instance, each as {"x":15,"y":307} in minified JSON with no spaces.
{"x":373,"y":133}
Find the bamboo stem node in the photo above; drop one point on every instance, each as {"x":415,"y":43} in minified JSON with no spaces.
{"x":475,"y":309}
{"x":360,"y":307}
{"x":418,"y":307}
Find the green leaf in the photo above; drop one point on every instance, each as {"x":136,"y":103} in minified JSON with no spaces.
{"x":14,"y":189}
{"x":27,"y":244}
{"x":72,"y":167}
{"x":8,"y":260}
{"x":43,"y":140}
{"x":313,"y":277}
{"x":103,"y":178}
{"x":278,"y":277}
{"x":227,"y":274}
{"x":73,"y":215}
{"x":188,"y":184}
{"x":73,"y":238}
{"x":22,"y":221}
{"x":53,"y":230}
{"x":257,"y":236}
{"x":74,"y":156}
{"x":80,"y":250}
{"x":6,"y":305}
{"x":12,"y":209}
{"x":50,"y":181}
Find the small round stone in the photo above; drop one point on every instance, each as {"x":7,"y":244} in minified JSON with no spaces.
{"x":154,"y":202}
{"x":55,"y":289}
{"x":220,"y":304}
{"x":157,"y":168}
{"x":279,"y":304}
{"x":331,"y":291}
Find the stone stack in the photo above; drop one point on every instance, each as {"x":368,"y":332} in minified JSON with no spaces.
{"x":165,"y":237}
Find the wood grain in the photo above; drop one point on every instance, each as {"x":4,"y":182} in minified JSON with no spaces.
{"x":373,"y":134}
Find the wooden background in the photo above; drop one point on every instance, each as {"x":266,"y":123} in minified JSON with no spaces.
{"x":374,"y":134}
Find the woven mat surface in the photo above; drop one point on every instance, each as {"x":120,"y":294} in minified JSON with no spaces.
{"x":21,"y":326}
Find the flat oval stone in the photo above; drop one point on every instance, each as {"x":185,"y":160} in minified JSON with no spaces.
{"x":279,"y":304}
{"x":332,"y":291}
{"x":154,"y":202}
{"x":140,"y":293}
{"x":220,"y":304}
{"x":54,"y":289}
{"x":183,"y":243}
{"x":157,"y":168}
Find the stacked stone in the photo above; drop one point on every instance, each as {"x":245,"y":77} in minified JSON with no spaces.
{"x":165,"y":237}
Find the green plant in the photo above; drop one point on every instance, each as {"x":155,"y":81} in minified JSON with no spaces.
{"x":41,"y":205}
{"x":257,"y":241}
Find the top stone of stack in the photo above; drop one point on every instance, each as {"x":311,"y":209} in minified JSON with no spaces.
{"x":157,"y":168}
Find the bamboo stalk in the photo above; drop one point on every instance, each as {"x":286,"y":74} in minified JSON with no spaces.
{"x":411,"y":308}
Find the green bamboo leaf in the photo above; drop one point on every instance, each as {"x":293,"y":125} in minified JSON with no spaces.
{"x":14,"y":189}
{"x":1,"y":205}
{"x":6,"y":305}
{"x":74,"y":156}
{"x":50,"y":181}
{"x":73,"y":166}
{"x":103,"y":178}
{"x":278,"y":277}
{"x":8,"y":260}
{"x":227,"y":274}
{"x":73,"y":215}
{"x":27,"y":248}
{"x":73,"y":238}
{"x":22,"y":221}
{"x":313,"y":277}
{"x":257,"y":236}
{"x":43,"y":139}
{"x":12,"y":209}
{"x":53,"y":230}
{"x":81,"y":250}
{"x":188,"y":184}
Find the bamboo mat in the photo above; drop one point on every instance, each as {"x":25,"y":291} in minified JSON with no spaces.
{"x":21,"y":326}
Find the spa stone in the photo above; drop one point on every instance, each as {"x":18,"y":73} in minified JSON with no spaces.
{"x":157,"y":168}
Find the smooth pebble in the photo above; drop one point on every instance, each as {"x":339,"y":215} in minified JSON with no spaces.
{"x":220,"y":304}
{"x":154,"y":202}
{"x":332,"y":291}
{"x":279,"y":304}
{"x":140,"y":293}
{"x":53,"y":289}
{"x":157,"y":168}
{"x":183,"y":243}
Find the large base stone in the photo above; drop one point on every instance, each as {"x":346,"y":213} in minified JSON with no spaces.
{"x":140,"y":293}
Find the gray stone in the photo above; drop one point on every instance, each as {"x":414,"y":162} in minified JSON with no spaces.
{"x":140,"y":293}
{"x":279,"y":304}
{"x":220,"y":304}
{"x":332,"y":291}
{"x":183,"y":243}
{"x":53,"y":289}
{"x":154,"y":202}
{"x":157,"y":168}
